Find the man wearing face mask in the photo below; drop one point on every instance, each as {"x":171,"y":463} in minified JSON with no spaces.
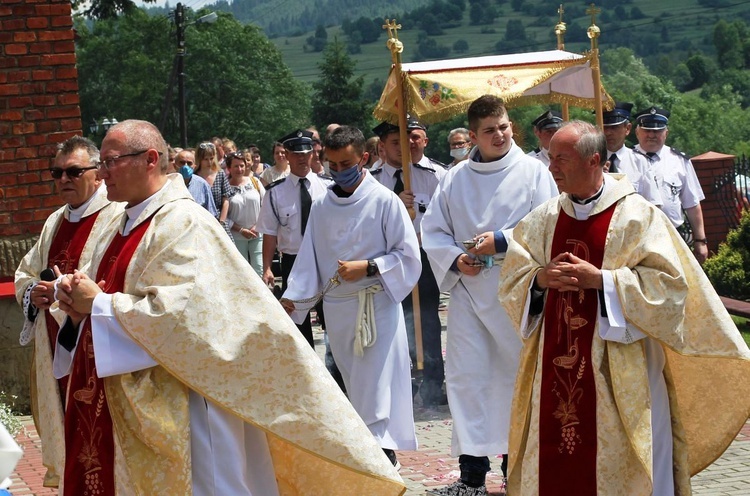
{"x":285,"y":212}
{"x":196,"y":185}
{"x":361,"y":233}
{"x":460,"y":144}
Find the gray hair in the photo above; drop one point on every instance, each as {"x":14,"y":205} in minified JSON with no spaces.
{"x":591,"y":140}
{"x":458,"y":130}
{"x":79,"y":143}
{"x":142,"y":135}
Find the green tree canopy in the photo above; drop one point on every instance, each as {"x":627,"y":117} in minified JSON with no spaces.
{"x":337,"y":96}
{"x":236,"y":83}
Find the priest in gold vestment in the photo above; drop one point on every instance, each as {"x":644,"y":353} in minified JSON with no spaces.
{"x":632,"y":376}
{"x":193,"y":376}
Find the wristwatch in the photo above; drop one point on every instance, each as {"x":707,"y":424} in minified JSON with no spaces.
{"x":372,"y":268}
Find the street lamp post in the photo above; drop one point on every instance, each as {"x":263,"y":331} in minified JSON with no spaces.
{"x":179,"y":19}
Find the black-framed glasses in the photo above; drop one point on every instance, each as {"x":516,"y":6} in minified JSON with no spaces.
{"x":71,"y":172}
{"x":110,"y":162}
{"x":458,"y":144}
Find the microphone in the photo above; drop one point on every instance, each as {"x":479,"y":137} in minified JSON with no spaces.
{"x":47,"y":275}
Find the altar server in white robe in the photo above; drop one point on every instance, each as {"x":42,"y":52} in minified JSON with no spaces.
{"x":490,"y":194}
{"x":360,"y":232}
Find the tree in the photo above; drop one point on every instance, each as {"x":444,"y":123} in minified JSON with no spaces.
{"x":236,"y":82}
{"x":337,"y":97}
{"x":461,"y":46}
{"x":514,"y":31}
{"x":729,"y":48}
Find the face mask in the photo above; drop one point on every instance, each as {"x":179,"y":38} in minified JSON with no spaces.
{"x":459,"y":153}
{"x":186,"y":171}
{"x":347,"y":178}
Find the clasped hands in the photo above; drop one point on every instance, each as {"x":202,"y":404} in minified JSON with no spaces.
{"x":567,"y":272}
{"x":75,"y":294}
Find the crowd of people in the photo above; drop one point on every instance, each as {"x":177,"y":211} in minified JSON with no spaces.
{"x":578,"y":320}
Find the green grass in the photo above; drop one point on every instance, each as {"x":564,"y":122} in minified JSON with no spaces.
{"x":743,"y":325}
{"x":685,"y":19}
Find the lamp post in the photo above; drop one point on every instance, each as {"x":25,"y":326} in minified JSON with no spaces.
{"x":179,"y":19}
{"x":95,"y":126}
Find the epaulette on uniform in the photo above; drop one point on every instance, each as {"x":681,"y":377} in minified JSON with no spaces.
{"x":325,"y":177}
{"x":439,"y":163}
{"x":275,"y":183}
{"x":376,"y":171}
{"x":420,"y":166}
{"x":678,"y":152}
{"x":537,"y":150}
{"x":641,"y":153}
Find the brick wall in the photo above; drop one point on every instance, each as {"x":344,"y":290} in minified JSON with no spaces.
{"x":38,"y":109}
{"x":707,"y":166}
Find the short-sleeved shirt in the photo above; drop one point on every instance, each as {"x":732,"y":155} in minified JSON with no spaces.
{"x":201,"y":193}
{"x":638,"y":169}
{"x":677,"y":181}
{"x":244,"y":205}
{"x":281,"y":211}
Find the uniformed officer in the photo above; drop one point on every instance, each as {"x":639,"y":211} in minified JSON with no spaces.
{"x":425,"y":177}
{"x":285,"y":209}
{"x":678,"y":184}
{"x":621,"y":159}
{"x":545,"y":126}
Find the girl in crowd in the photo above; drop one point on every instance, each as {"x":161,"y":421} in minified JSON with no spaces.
{"x":244,"y":208}
{"x":207,"y":167}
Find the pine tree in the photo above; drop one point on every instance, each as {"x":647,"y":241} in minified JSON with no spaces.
{"x":337,"y":96}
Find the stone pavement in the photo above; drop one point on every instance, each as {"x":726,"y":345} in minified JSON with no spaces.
{"x":432,"y":464}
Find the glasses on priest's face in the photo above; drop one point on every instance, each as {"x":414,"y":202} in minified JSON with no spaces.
{"x":71,"y":172}
{"x":110,"y":162}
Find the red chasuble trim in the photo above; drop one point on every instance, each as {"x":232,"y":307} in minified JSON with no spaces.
{"x":89,"y":436}
{"x":65,"y":252}
{"x":567,"y":412}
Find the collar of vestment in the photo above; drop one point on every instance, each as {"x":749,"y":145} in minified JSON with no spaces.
{"x":365,"y":186}
{"x":509,"y":159}
{"x":615,"y":188}
{"x":173,"y":189}
{"x":96,"y":202}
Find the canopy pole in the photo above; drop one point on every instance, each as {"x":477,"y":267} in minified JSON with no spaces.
{"x":593,"y":33}
{"x":396,"y":47}
{"x":560,"y":29}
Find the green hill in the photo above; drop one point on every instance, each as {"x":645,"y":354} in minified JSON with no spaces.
{"x":662,"y":33}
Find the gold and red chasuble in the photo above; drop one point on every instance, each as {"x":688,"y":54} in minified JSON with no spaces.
{"x":89,"y":437}
{"x":65,"y":252}
{"x":567,"y":416}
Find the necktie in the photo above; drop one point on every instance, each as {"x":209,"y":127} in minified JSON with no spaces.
{"x":651,"y":155}
{"x":612,"y":166}
{"x":305,"y":201}
{"x":399,"y":186}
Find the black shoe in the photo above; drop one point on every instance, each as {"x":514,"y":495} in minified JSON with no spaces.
{"x":392,"y":457}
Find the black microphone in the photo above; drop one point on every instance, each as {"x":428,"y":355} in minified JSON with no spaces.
{"x":47,"y":275}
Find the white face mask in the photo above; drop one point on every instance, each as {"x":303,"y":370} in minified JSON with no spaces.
{"x":459,"y":153}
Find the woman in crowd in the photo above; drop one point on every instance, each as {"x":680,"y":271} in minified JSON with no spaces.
{"x":244,"y":208}
{"x":254,"y":165}
{"x":207,"y":167}
{"x":280,"y":166}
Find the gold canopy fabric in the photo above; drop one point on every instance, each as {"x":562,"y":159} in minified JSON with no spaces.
{"x":440,"y":89}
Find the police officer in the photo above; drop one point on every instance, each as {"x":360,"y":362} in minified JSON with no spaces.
{"x":545,"y":126}
{"x":285,"y":209}
{"x":425,"y":177}
{"x":678,"y":184}
{"x":621,"y":159}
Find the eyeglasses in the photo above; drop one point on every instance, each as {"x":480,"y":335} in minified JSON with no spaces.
{"x":71,"y":172}
{"x":110,"y":162}
{"x":458,"y":144}
{"x":206,"y":146}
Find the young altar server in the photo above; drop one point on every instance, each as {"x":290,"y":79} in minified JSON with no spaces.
{"x":361,"y":234}
{"x":494,"y":190}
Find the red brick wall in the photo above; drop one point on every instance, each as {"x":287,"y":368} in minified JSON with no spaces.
{"x":38,"y":108}
{"x":707,"y":167}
